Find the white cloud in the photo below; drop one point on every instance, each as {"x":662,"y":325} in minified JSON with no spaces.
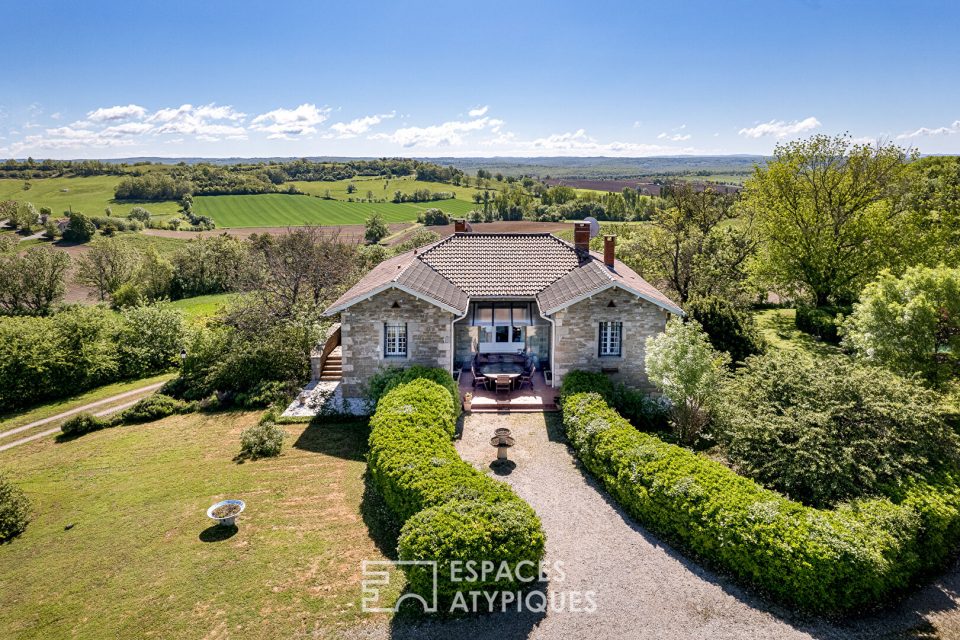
{"x":107,"y":114}
{"x":359,"y":125}
{"x":780,"y":128}
{"x":676,"y":137}
{"x":446,"y":134}
{"x":56,"y":115}
{"x":198,"y":121}
{"x":579,"y":143}
{"x":926,"y":132}
{"x":477,"y":112}
{"x":287,"y":123}
{"x":637,"y":124}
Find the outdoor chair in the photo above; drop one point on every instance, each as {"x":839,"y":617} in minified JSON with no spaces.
{"x":478,"y":380}
{"x":504,"y":383}
{"x":527,"y":378}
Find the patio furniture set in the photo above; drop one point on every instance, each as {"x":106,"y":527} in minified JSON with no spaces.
{"x":502,"y":372}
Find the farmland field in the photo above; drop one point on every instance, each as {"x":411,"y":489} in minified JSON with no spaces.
{"x":279,"y":210}
{"x":87,"y":195}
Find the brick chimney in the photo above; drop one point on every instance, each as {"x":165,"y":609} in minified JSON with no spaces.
{"x":609,"y":250}
{"x":460,"y":225}
{"x":581,"y":236}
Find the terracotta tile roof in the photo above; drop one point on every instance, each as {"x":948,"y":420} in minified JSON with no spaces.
{"x":501,"y":264}
{"x":480,"y":265}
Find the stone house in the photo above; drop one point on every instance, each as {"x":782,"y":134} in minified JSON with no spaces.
{"x":529,"y":295}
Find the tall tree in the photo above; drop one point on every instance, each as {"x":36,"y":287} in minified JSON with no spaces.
{"x":831,"y":214}
{"x":109,"y":264}
{"x":32,"y":282}
{"x":691,"y":248}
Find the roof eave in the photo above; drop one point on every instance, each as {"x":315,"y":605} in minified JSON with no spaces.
{"x":667,"y":307}
{"x":330,"y":311}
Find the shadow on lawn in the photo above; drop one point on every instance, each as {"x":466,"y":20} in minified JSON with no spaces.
{"x":218,"y":533}
{"x":340,"y":437}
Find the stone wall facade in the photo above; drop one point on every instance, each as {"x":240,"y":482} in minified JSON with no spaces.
{"x":578,"y":331}
{"x":429,"y":339}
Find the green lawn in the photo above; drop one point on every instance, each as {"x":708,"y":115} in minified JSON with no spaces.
{"x":779,"y":328}
{"x":88,"y":195}
{"x":202,"y":307}
{"x":141,"y":560}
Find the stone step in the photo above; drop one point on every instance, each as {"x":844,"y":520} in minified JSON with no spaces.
{"x":331,"y":378}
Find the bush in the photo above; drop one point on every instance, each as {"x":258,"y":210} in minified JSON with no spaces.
{"x":854,"y":557}
{"x":910,"y":324}
{"x":263,"y":440}
{"x":828,"y":429}
{"x":450,"y":510}
{"x":648,"y":414}
{"x":140,"y":214}
{"x":820,"y":322}
{"x":79,"y":229}
{"x":154,"y":407}
{"x":83,"y":423}
{"x":689,"y":372}
{"x":14,"y":510}
{"x":433,"y":217}
{"x":387,"y":379}
{"x":730,"y":329}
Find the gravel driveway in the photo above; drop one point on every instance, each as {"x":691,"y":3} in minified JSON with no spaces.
{"x":644,"y":589}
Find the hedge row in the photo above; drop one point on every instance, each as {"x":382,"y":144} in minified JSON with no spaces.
{"x":825,"y":561}
{"x":451,"y":511}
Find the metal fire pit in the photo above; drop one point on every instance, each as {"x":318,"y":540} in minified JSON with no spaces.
{"x":502,"y":441}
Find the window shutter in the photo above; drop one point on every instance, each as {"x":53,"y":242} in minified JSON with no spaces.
{"x":383,"y":353}
{"x":406,"y":341}
{"x":619,"y":339}
{"x":600,"y":341}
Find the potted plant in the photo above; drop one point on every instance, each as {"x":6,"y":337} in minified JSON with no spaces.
{"x":225,"y":512}
{"x":467,"y":401}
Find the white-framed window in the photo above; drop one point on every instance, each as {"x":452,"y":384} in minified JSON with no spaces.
{"x":610,"y":342}
{"x":395,"y":339}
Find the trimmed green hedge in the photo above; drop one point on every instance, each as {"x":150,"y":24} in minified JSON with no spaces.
{"x":451,"y":511}
{"x":639,"y":408}
{"x":392,"y":377}
{"x":853,"y":557}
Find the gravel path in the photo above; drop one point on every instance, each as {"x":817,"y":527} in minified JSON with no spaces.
{"x":644,"y":589}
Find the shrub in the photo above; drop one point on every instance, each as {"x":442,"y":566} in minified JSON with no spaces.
{"x":387,"y":379}
{"x":79,"y":229}
{"x":828,"y":429}
{"x":140,"y":214}
{"x":823,"y":561}
{"x":910,"y":324}
{"x":154,"y":407}
{"x":730,"y":329}
{"x":265,"y":394}
{"x":689,"y":372}
{"x":450,"y":510}
{"x":648,"y":414}
{"x":263,"y":440}
{"x":14,"y":510}
{"x":83,"y":423}
{"x":820,"y":322}
{"x":433,"y":217}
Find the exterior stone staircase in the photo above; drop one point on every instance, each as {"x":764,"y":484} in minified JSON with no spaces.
{"x":333,"y":366}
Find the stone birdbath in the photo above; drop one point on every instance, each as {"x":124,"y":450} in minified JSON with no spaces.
{"x":225,"y":512}
{"x":502,"y":441}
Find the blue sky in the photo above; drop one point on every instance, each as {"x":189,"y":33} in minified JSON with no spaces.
{"x":217,"y":79}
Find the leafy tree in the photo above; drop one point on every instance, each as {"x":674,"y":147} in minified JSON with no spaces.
{"x":79,"y":229}
{"x":689,"y":372}
{"x":155,"y":276}
{"x":376,"y":229}
{"x":934,"y":201}
{"x":140,"y":214}
{"x":909,"y":324}
{"x":433,"y":216}
{"x":351,"y":188}
{"x":729,"y":328}
{"x":25,"y":216}
{"x":33,"y":282}
{"x":300,"y":269}
{"x":831,"y":214}
{"x":827,"y":429}
{"x":690,"y":249}
{"x":109,"y":264}
{"x":208,"y":265}
{"x":150,"y":338}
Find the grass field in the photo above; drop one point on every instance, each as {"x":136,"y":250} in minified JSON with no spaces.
{"x":87,"y":195}
{"x":140,"y":559}
{"x":779,"y":328}
{"x":93,"y":195}
{"x":200,"y":308}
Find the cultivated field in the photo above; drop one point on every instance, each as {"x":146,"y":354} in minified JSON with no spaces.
{"x":87,"y":195}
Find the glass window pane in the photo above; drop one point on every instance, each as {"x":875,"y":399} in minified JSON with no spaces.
{"x":521,"y":314}
{"x":483,"y":314}
{"x":501,"y":314}
{"x":503,"y":334}
{"x":517,"y":334}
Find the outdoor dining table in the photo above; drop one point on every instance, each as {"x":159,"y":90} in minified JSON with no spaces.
{"x":496,"y":369}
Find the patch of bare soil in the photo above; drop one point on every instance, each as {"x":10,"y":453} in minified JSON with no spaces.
{"x":517,"y":226}
{"x":347,"y":232}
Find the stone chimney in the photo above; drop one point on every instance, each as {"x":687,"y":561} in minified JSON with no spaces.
{"x":581,"y":236}
{"x":609,"y":250}
{"x":460,"y":226}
